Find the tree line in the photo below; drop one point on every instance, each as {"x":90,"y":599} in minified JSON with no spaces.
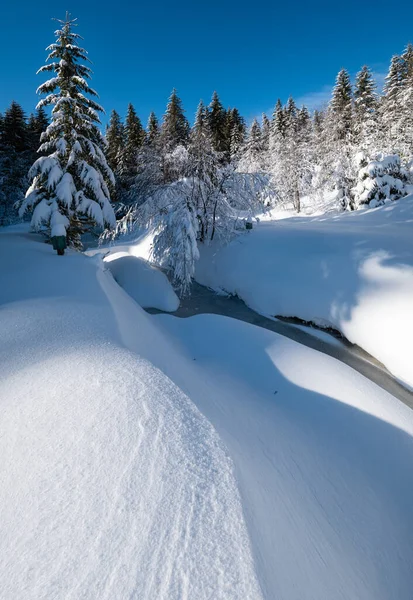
{"x":192,"y":183}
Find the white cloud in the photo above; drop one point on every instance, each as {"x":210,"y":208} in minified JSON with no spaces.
{"x":316,"y":100}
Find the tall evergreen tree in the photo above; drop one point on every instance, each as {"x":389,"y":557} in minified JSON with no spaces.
{"x":365,"y":109}
{"x":69,"y":191}
{"x":174,"y":139}
{"x":14,"y":129}
{"x":237,"y":133}
{"x":265,"y":132}
{"x":252,"y":156}
{"x":404,"y":118}
{"x":152,"y":128}
{"x":341,"y":107}
{"x":204,"y":169}
{"x":175,"y":126}
{"x":217,"y":124}
{"x":134,"y":137}
{"x":115,"y":140}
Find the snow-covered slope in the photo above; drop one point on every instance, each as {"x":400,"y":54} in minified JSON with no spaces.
{"x":154,"y":457}
{"x":146,"y":284}
{"x":112,"y":484}
{"x":352,"y":271}
{"x":323,"y":460}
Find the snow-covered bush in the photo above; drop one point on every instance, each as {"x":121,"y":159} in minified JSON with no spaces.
{"x":379,"y":180}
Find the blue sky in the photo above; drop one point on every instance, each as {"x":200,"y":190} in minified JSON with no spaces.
{"x":251,"y":53}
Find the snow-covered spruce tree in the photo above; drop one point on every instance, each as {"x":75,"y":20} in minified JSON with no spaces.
{"x":236,"y":133}
{"x":390,"y":105}
{"x":404,"y":123}
{"x":70,"y":187}
{"x":365,"y":112}
{"x":252,"y":155}
{"x":379,"y":180}
{"x":174,"y":140}
{"x":265,"y":134}
{"x":339,"y":166}
{"x":204,"y":172}
{"x":152,"y":128}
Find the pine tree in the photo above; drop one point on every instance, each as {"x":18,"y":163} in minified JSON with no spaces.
{"x":37,"y":125}
{"x":69,"y":188}
{"x":134,"y":138}
{"x":252,"y":156}
{"x":204,"y":169}
{"x":14,"y":129}
{"x":152,"y":128}
{"x":115,"y":140}
{"x":265,"y":132}
{"x":175,"y":126}
{"x":217,"y":125}
{"x":174,"y":139}
{"x":365,"y":109}
{"x":236,"y":132}
{"x":341,"y":107}
{"x":278,"y":123}
{"x":404,"y":118}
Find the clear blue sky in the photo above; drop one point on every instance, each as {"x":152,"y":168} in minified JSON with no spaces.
{"x":251,"y":53}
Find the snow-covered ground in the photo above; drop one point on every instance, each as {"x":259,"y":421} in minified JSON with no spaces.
{"x":155,"y":457}
{"x":143,"y":281}
{"x":112,"y":484}
{"x":351,"y":271}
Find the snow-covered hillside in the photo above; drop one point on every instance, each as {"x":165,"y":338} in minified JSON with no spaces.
{"x":352,"y":271}
{"x":153,"y":457}
{"x":112,"y":483}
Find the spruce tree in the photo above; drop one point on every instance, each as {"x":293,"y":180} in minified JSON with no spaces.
{"x":365,"y":109}
{"x":134,"y":138}
{"x":251,"y":161}
{"x":217,"y":124}
{"x":114,"y":140}
{"x":174,"y":139}
{"x":404,"y":117}
{"x":152,"y":128}
{"x":204,"y":164}
{"x":69,"y":188}
{"x":14,"y":129}
{"x":237,"y":133}
{"x":175,"y":126}
{"x":341,"y":107}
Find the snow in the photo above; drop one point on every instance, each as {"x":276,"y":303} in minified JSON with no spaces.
{"x":146,"y":284}
{"x":322,"y":456}
{"x":112,"y":483}
{"x":352,"y":271}
{"x":156,"y":457}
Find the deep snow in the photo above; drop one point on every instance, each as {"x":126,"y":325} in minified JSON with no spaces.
{"x":351,"y":271}
{"x":146,"y":284}
{"x":112,"y":483}
{"x":153,"y":457}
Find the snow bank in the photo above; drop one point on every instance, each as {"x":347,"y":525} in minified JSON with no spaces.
{"x":323,"y":460}
{"x":146,"y":284}
{"x":112,"y":483}
{"x":352,"y":271}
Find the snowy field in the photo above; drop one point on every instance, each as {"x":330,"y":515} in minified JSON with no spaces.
{"x":154,"y":457}
{"x":351,"y":271}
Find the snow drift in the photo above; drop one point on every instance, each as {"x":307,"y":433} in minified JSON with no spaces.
{"x":351,"y":271}
{"x":146,"y":284}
